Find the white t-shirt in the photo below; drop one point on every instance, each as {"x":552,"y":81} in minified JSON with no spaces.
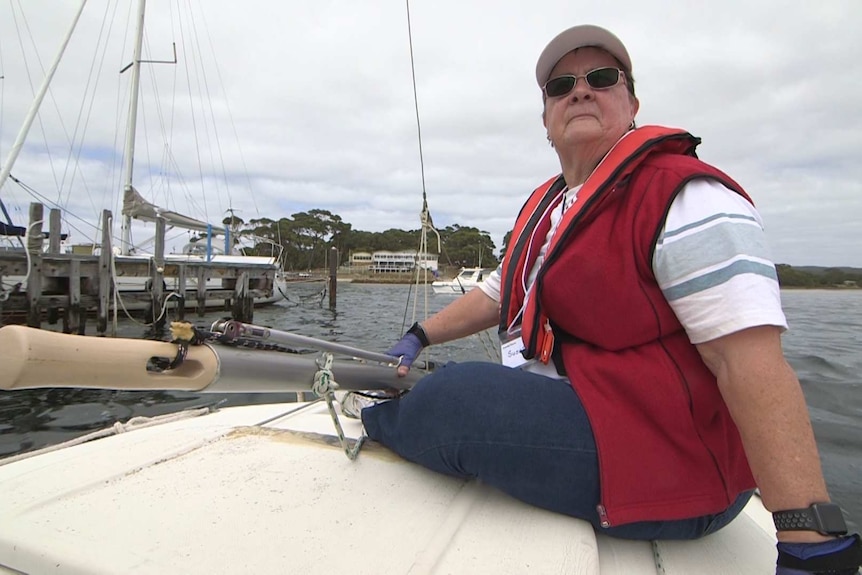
{"x":711,"y":262}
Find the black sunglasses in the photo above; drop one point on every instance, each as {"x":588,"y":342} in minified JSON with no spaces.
{"x":598,"y":79}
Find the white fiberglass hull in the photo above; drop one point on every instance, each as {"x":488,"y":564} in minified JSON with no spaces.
{"x":226,"y":493}
{"x":466,"y":280}
{"x":130,"y":285}
{"x":448,"y":288}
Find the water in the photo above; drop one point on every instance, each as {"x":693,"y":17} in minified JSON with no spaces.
{"x":823,"y":346}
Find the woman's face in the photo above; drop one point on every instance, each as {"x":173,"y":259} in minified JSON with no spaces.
{"x":585,"y":115}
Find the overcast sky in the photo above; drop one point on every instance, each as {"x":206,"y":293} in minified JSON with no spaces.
{"x":277,"y":107}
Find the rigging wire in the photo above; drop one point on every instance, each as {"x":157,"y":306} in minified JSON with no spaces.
{"x":230,"y":115}
{"x":416,"y":106}
{"x":209,"y":99}
{"x":160,"y":121}
{"x":30,"y":80}
{"x":53,"y":203}
{"x":116,"y":172}
{"x":70,"y":140}
{"x":169,"y":133}
{"x":427,"y":223}
{"x":194,"y":121}
{"x":2,"y":96}
{"x":2,"y":99}
{"x":70,"y":175}
{"x":72,"y":167}
{"x":145,"y":111}
{"x":75,"y":165}
{"x":425,"y":215}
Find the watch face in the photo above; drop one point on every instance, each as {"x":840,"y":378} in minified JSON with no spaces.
{"x":829,"y":518}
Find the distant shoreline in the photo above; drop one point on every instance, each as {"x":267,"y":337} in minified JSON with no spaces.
{"x":825,"y":288}
{"x":405,"y":279}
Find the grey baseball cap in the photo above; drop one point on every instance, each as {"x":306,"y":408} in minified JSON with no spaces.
{"x":579,"y":37}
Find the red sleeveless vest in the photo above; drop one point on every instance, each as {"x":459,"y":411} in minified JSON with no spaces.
{"x":667,"y":446}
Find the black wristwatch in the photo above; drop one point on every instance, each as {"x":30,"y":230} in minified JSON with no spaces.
{"x":825,"y":518}
{"x":417,"y":330}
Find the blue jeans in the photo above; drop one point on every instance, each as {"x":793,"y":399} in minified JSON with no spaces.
{"x":525,"y":434}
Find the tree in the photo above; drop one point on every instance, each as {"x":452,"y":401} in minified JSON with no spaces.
{"x":315,"y":232}
{"x":467,"y":247}
{"x":398,"y":240}
{"x":506,"y":239}
{"x":307,"y":237}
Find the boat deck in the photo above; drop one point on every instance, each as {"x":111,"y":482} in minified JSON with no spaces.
{"x":267,"y":489}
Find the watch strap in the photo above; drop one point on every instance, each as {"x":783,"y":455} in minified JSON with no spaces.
{"x":825,"y":518}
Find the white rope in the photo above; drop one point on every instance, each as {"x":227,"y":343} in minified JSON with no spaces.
{"x":324,"y":380}
{"x":324,"y":386}
{"x":5,"y":293}
{"x":118,"y":300}
{"x":118,"y":427}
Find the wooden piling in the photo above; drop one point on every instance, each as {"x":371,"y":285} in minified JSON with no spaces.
{"x":243,"y":303}
{"x":73,"y":319}
{"x":34,"y":266}
{"x":333,"y":276}
{"x":202,"y":291}
{"x":158,"y":278}
{"x":181,"y":289}
{"x":4,"y":295}
{"x":53,"y":284}
{"x":105,"y":280}
{"x":54,"y":235}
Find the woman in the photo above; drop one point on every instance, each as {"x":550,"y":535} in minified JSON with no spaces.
{"x":644,"y":386}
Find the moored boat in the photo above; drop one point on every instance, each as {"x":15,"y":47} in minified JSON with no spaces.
{"x":467,"y":279}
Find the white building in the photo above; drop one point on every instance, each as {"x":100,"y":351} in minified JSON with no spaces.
{"x":393,"y":262}
{"x":360,"y":260}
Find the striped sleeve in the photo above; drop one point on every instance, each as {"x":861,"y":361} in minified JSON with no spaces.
{"x":491,"y":285}
{"x":713,"y":264}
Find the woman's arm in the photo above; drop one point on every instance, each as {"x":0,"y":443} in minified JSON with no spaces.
{"x":470,"y":313}
{"x":765,"y":400}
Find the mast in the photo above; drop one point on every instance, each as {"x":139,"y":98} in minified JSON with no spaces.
{"x":129,"y":158}
{"x":34,"y":108}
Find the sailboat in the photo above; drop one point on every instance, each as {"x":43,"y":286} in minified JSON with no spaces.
{"x":211,"y":237}
{"x":201,"y":249}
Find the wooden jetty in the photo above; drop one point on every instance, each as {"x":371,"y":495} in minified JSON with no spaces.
{"x":72,"y":285}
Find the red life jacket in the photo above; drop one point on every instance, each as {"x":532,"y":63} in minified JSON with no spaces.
{"x":667,"y":446}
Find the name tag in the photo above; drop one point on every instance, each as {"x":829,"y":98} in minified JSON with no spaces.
{"x":511,"y":353}
{"x":511,"y":346}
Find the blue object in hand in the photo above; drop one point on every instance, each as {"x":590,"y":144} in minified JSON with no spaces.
{"x":407,"y":348}
{"x":842,"y":556}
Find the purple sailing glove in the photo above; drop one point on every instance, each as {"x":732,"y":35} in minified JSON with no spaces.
{"x":842,"y":556}
{"x":408,"y":347}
